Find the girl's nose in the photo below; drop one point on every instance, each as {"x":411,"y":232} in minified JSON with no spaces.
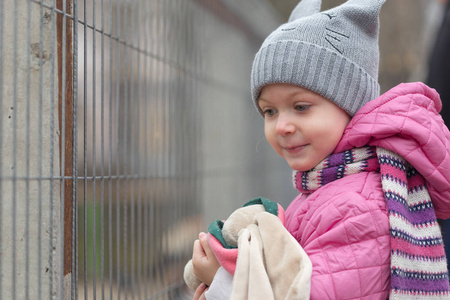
{"x":285,"y":124}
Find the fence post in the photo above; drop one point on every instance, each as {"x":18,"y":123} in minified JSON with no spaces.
{"x":64,"y":27}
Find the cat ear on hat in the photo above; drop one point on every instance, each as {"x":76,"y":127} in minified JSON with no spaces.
{"x":372,"y":6}
{"x":363,"y":13}
{"x":305,"y":8}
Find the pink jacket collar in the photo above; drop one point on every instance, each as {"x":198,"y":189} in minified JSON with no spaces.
{"x":406,"y":120}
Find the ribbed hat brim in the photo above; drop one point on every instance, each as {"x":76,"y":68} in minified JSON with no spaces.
{"x":315,"y":68}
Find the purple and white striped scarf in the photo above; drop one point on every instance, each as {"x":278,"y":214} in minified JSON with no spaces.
{"x":418,"y":262}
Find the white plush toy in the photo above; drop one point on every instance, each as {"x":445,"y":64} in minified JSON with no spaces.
{"x":265,"y":248}
{"x":238,"y":220}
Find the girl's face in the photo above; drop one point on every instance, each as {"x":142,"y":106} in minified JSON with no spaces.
{"x":302,"y":126}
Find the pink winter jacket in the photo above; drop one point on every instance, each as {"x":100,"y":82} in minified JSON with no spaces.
{"x":343,"y":226}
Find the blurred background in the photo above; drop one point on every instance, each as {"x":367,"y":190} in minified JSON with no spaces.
{"x":127,"y":127}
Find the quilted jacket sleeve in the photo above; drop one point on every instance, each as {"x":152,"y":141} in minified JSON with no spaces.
{"x":344,"y":229}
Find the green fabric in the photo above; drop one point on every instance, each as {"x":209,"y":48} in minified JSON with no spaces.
{"x":270,"y":206}
{"x":215,"y":228}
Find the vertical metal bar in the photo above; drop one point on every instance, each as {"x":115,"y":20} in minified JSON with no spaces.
{"x":102,"y":151}
{"x":52,"y":201}
{"x":158,"y":115}
{"x":94,"y":196}
{"x":110,"y":196}
{"x":118,"y":71}
{"x":2,"y":21}
{"x":166,"y":138}
{"x":74,"y":231}
{"x":152,"y":165}
{"x":137,"y":164}
{"x":160,"y":163}
{"x":125,"y":159}
{"x":146,"y":199}
{"x":181,"y":149}
{"x":85,"y":57}
{"x":62,"y":106}
{"x":71,"y":204}
{"x":134,"y":125}
{"x":40,"y":150}
{"x":27,"y":234}
{"x":184,"y":156}
{"x":132,"y":150}
{"x":170,"y":179}
{"x":195,"y":97}
{"x":174,"y":122}
{"x":14,"y":158}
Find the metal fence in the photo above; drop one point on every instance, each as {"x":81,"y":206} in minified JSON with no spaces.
{"x":116,"y":119}
{"x":126,"y":126}
{"x":138,"y":136}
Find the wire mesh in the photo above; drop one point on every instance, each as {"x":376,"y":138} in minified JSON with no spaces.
{"x":102,"y":151}
{"x":138,"y":134}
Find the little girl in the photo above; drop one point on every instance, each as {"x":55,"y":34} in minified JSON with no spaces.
{"x":373,"y":171}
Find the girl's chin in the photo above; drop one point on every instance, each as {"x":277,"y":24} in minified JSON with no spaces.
{"x":301,"y":167}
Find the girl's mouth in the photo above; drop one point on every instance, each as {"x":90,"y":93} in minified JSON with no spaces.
{"x":294,"y":149}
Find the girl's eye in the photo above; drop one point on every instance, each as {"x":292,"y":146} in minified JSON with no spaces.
{"x":269,"y":112}
{"x":302,"y":107}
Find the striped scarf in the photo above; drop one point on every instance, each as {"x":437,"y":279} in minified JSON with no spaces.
{"x":418,"y":262}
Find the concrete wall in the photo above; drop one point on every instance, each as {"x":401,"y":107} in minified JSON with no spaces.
{"x":29,"y":208}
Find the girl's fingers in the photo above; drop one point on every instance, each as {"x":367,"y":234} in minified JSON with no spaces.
{"x":200,"y":292}
{"x":204,"y":243}
{"x":204,"y":261}
{"x":198,"y":253}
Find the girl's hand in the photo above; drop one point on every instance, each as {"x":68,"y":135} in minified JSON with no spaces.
{"x":200,"y":292}
{"x":203,"y":260}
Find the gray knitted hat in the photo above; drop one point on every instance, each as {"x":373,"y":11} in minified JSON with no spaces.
{"x":333,"y":53}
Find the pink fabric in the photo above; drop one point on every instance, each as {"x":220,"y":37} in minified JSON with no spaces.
{"x":344,"y":226}
{"x":281,"y":214}
{"x":406,"y":120}
{"x":344,"y":229}
{"x":226,"y":257}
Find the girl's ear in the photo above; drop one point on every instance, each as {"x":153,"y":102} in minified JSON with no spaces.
{"x":305,"y":8}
